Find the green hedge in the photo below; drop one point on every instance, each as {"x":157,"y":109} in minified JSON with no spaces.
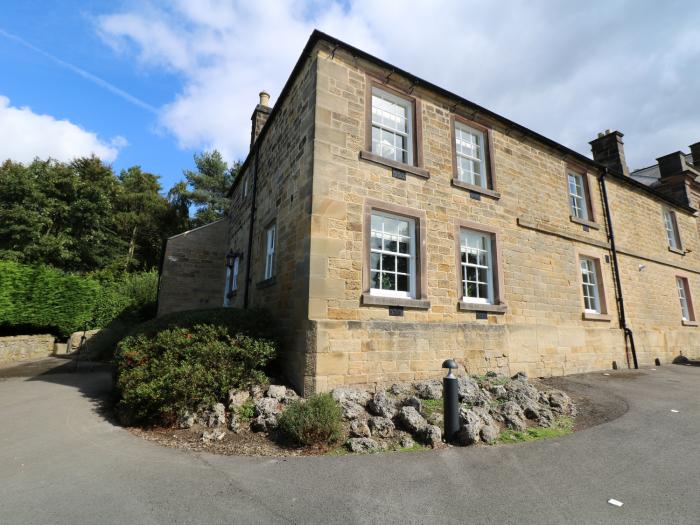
{"x":317,"y":420}
{"x":42,"y":298}
{"x":164,"y":369}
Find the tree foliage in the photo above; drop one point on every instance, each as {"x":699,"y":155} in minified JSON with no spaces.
{"x":80,"y":216}
{"x":207,"y":187}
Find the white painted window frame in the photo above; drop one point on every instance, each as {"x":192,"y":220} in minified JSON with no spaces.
{"x":578,"y":203}
{"x":590,"y":285}
{"x":671,"y":226}
{"x":465,"y":247}
{"x":411,"y":293}
{"x":682,"y":287}
{"x":383,"y":129}
{"x":270,"y":241}
{"x":470,"y":178}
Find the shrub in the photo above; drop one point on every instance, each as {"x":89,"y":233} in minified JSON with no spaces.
{"x":252,"y":322}
{"x":314,"y":421}
{"x":174,"y":370}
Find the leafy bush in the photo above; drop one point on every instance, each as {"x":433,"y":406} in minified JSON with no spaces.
{"x":163,"y":374}
{"x":314,"y":421}
{"x":42,"y":298}
{"x":252,"y":322}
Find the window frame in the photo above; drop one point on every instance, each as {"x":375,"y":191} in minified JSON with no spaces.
{"x":409,"y":135}
{"x":420,"y":279}
{"x":590,"y":219}
{"x":270,"y":242}
{"x":684,"y":282}
{"x":490,"y":188}
{"x":411,"y":293}
{"x":589,"y":314}
{"x":497,"y":304}
{"x":671,"y":214}
{"x":416,"y":140}
{"x":231,"y":283}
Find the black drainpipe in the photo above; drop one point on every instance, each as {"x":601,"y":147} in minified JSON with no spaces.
{"x":629,"y":336}
{"x":250,"y":234}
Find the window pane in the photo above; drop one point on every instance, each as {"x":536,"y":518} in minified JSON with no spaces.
{"x":390,"y":245}
{"x":402,"y":266}
{"x":388,"y":281}
{"x":402,"y":283}
{"x":388,"y":263}
{"x":374,"y":261}
{"x":375,"y":279}
{"x":376,"y":243}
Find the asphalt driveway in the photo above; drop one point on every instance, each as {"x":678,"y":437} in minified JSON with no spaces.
{"x":62,"y":461}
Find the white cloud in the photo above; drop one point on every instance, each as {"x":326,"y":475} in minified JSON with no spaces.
{"x":25,"y":135}
{"x":566,"y":70}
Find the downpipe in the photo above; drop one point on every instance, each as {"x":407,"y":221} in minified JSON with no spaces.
{"x":629,"y":336}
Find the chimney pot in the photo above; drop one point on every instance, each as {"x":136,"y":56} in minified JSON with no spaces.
{"x":264,"y":98}
{"x":260,"y":114}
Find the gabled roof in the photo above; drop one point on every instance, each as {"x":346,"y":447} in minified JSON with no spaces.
{"x":318,"y":36}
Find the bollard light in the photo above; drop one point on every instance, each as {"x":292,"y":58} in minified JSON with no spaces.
{"x":450,"y":401}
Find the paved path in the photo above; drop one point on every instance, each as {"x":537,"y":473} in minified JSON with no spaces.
{"x":62,"y":462}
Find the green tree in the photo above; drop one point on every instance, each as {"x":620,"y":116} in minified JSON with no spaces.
{"x":141,"y":217}
{"x":207,"y":187}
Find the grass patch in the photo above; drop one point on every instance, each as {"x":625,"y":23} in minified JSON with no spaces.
{"x":500,"y":380}
{"x":430,"y":406}
{"x":416,"y":447}
{"x":562,"y":427}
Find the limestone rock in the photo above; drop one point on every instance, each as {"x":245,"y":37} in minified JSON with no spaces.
{"x":432,"y":436}
{"x":352,"y":410}
{"x":344,"y":393}
{"x":498,"y":391}
{"x":513,"y":416}
{"x":277,"y":391}
{"x":213,"y":435}
{"x":213,"y":416}
{"x":489,"y":433}
{"x":256,"y":392}
{"x":290,"y":396}
{"x":382,"y":405}
{"x":470,"y":426}
{"x":414,"y":402}
{"x":407,"y":442}
{"x":237,"y":398}
{"x":186,"y":420}
{"x":233,"y":423}
{"x":429,"y":389}
{"x":263,"y":423}
{"x":467,"y":388}
{"x":359,"y":429}
{"x":411,"y":420}
{"x":267,"y":406}
{"x":381,"y":427}
{"x":362,"y":445}
{"x":400,"y":389}
{"x":560,"y":402}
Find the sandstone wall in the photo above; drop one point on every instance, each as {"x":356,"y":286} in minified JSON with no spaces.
{"x":20,"y":347}
{"x":542,"y":330}
{"x":194,"y":269}
{"x":283,"y":197}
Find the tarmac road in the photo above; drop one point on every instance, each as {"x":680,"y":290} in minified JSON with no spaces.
{"x":63,"y":462}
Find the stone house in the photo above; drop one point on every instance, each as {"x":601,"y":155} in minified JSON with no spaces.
{"x":389,"y":224}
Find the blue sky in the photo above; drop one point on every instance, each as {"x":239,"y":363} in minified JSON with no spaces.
{"x":67,"y":30}
{"x":565,"y":69}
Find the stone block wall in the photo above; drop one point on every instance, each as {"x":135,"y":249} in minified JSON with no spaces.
{"x":194,"y":269}
{"x":21,"y":347}
{"x":542,"y":330}
{"x":282,"y":197}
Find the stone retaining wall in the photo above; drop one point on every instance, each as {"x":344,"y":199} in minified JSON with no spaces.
{"x":20,"y":347}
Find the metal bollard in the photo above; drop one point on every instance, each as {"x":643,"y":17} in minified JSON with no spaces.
{"x":450,"y":401}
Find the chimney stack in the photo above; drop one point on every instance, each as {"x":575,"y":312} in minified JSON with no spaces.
{"x":609,"y":150}
{"x":695,"y":152}
{"x":260,"y":115}
{"x":672,"y":164}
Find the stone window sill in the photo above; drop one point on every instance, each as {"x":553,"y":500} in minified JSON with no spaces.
{"x":689,"y":323}
{"x":499,"y":308}
{"x":476,"y":189}
{"x":676,"y":250}
{"x":584,"y":222}
{"x":588,"y":316}
{"x":266,"y":283}
{"x":408,"y":168}
{"x":380,"y":300}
